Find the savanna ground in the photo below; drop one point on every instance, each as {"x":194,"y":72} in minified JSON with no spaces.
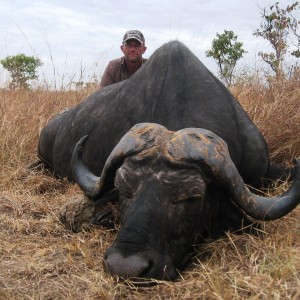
{"x":41,"y":259}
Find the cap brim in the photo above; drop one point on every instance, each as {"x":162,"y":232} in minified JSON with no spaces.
{"x":133,"y":38}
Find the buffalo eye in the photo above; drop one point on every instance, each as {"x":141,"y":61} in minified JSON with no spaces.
{"x":188,"y":200}
{"x":193,"y":199}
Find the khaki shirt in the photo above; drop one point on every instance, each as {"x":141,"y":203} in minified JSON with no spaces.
{"x":116,"y":71}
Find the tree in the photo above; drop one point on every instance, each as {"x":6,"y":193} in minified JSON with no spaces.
{"x":275,"y":28}
{"x":226,"y":50}
{"x":295,"y":29}
{"x":22,"y":68}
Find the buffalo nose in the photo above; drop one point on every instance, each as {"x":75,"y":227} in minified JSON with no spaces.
{"x":131,"y":266}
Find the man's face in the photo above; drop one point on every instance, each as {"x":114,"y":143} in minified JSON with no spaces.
{"x":133,"y":50}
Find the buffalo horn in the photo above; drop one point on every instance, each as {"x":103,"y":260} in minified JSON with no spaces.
{"x":209,"y":151}
{"x":140,"y":138}
{"x":263,"y":208}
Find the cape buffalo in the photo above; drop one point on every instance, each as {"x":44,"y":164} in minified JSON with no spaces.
{"x":179,"y":176}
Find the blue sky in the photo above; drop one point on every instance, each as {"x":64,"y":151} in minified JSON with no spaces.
{"x":77,"y":38}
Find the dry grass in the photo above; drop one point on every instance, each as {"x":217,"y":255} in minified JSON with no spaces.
{"x":41,"y":259}
{"x":276,"y":111}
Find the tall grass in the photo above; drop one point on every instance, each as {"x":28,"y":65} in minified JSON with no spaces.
{"x":41,"y":259}
{"x":275,"y":109}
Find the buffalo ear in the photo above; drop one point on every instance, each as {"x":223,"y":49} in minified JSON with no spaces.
{"x":139,"y":139}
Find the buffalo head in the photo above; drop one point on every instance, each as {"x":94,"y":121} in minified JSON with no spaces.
{"x":174,"y":189}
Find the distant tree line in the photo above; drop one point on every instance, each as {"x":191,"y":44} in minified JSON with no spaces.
{"x":278,"y":26}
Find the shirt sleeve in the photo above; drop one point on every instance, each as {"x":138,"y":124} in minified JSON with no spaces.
{"x":107,"y":77}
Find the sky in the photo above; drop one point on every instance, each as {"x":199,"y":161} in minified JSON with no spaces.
{"x":76,"y":39}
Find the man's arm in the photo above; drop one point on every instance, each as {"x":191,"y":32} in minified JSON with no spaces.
{"x":107,"y":77}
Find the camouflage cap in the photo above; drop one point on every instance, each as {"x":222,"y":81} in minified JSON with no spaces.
{"x":134,"y":34}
